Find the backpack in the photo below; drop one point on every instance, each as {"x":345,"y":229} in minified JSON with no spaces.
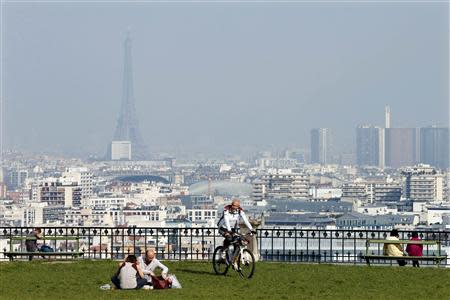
{"x":223,"y":214}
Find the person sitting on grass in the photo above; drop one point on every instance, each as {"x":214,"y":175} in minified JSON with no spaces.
{"x":149,"y":263}
{"x":394,"y":249}
{"x":415,"y":249}
{"x":31,"y":244}
{"x":129,"y":275}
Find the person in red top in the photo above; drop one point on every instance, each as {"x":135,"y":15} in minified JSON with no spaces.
{"x":415,"y":249}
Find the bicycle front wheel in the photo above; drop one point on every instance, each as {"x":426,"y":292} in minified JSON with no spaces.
{"x":220,"y":264}
{"x":246,"y":264}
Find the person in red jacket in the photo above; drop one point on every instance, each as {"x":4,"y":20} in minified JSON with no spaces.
{"x":415,"y":249}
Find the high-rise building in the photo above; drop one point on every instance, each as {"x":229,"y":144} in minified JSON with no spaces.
{"x":434,"y":146}
{"x":368,"y":145}
{"x":320,"y":146}
{"x":401,"y":147}
{"x":127,"y":125}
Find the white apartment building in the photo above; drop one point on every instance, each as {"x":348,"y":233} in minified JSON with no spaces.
{"x":282,"y":184}
{"x":423,"y":183}
{"x":356,"y":191}
{"x":106,"y":202}
{"x":145,"y":216}
{"x":201,"y":214}
{"x":387,"y":192}
{"x":81,"y":177}
{"x":372,"y":192}
{"x":120,"y":150}
{"x":93,"y":217}
{"x":33,"y":214}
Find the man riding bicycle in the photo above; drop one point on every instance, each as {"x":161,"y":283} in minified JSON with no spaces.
{"x":229,"y":222}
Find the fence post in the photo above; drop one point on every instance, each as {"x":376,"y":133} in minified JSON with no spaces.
{"x":253,"y":245}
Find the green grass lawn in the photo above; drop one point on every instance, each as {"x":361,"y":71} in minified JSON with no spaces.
{"x":81,"y":280}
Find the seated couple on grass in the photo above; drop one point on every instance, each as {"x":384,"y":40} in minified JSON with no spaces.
{"x":397,"y":249}
{"x":137,"y":273}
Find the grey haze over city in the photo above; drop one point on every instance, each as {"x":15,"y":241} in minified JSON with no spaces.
{"x":220,"y":76}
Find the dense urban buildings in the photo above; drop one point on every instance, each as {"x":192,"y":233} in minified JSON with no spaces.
{"x":382,"y":187}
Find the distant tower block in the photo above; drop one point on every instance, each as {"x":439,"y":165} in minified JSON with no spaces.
{"x":387,"y":116}
{"x":127,"y":124}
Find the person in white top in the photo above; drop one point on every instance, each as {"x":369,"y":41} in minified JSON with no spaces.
{"x":150,"y":263}
{"x":229,"y":222}
{"x":129,"y":275}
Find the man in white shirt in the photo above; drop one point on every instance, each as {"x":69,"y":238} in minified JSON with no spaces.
{"x":229,"y":223}
{"x":232,"y":215}
{"x":149,"y":263}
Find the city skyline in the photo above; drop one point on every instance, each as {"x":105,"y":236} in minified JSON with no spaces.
{"x":211,"y":88}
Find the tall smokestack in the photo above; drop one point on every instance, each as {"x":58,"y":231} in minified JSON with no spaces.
{"x":387,"y":116}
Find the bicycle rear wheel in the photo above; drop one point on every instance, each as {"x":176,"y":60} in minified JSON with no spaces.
{"x":246,"y":264}
{"x":220,"y":261}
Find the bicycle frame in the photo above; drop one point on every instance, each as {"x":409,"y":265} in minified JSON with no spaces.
{"x":239,"y":246}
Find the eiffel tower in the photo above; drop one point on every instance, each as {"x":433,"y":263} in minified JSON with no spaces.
{"x":127,"y":124}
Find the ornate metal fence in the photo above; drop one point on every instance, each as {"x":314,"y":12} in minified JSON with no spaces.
{"x":288,"y":245}
{"x":335,"y":246}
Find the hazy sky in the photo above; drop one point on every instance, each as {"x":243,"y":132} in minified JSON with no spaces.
{"x":213,"y":76}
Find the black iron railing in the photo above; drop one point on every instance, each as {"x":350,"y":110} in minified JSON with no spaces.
{"x":290,"y":245}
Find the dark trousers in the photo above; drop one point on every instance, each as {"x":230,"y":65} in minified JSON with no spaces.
{"x":415,"y":263}
{"x":401,"y":262}
{"x":140,"y":282}
{"x":228,"y":238}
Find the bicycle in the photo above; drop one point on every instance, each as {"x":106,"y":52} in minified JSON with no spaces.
{"x":241,"y":255}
